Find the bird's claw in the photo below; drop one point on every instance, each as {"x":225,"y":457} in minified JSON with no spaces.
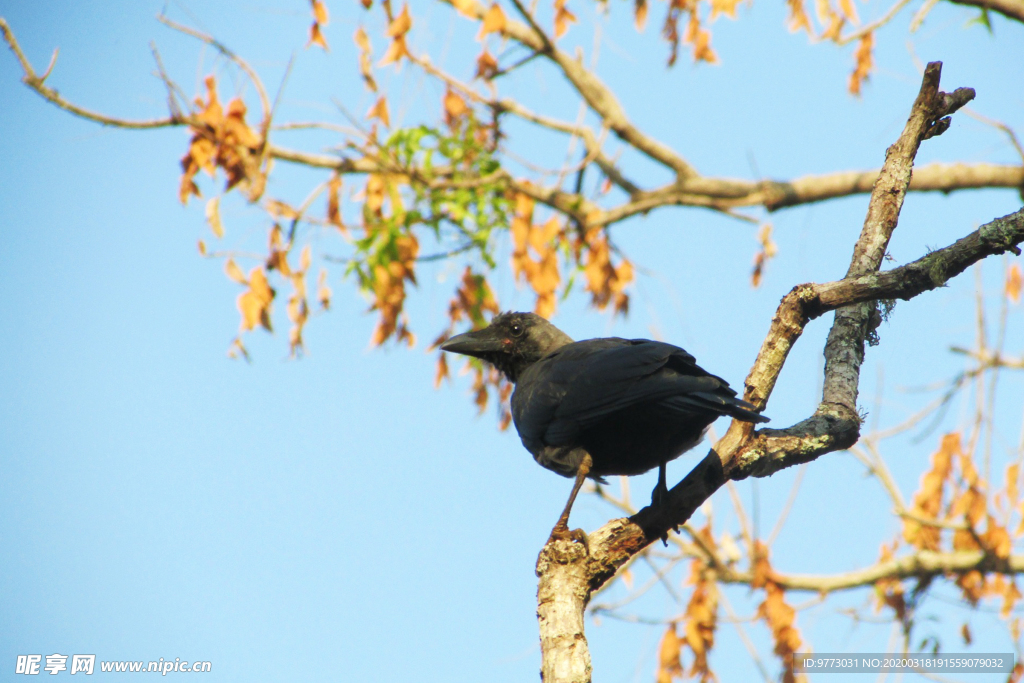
{"x":659,"y":496}
{"x":563,"y":533}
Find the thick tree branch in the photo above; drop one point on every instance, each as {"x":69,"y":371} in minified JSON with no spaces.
{"x":722,"y":193}
{"x":742,"y":452}
{"x":1011,"y":9}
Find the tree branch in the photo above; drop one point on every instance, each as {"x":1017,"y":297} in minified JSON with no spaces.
{"x":767,"y":451}
{"x":742,"y":452}
{"x":921,"y":564}
{"x":598,"y":96}
{"x":37,"y":83}
{"x":1011,"y":9}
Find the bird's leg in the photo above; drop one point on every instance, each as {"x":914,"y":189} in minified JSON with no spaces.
{"x":659,"y":496}
{"x":561,"y":530}
{"x":660,"y":493}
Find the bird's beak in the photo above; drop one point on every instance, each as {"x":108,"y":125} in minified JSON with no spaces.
{"x":478,"y":343}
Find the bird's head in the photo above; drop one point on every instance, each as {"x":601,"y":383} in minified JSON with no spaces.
{"x":511,"y":343}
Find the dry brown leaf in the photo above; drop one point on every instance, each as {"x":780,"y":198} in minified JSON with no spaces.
{"x":494,"y":21}
{"x":365,"y":61}
{"x":254,"y":304}
{"x":316,"y":37}
{"x":1014,"y":283}
{"x":323,"y":291}
{"x":850,"y":11}
{"x":765,"y":253}
{"x":563,"y":17}
{"x":1013,"y":483}
{"x":334,"y":202}
{"x":396,"y":50}
{"x":379,"y":111}
{"x":320,"y":12}
{"x":726,"y":7}
{"x":640,"y":14}
{"x":486,"y":65}
{"x":997,"y":540}
{"x":701,"y":616}
{"x":280,"y":209}
{"x":863,"y":62}
{"x":1010,"y":597}
{"x":202,"y":248}
{"x":374,"y":193}
{"x":929,"y":497}
{"x":465,"y":8}
{"x":213,"y":216}
{"x":700,"y":38}
{"x":760,"y":567}
{"x":441,"y":372}
{"x":669,"y":666}
{"x":798,"y":19}
{"x":234,"y":272}
{"x":454,"y":106}
{"x":401,"y":24}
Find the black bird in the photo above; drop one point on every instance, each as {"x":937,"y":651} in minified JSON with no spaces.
{"x":601,"y":407}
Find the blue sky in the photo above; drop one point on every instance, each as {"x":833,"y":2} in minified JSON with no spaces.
{"x":337,"y":517}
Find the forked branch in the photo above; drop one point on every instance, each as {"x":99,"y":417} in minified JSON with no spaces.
{"x":744,"y":452}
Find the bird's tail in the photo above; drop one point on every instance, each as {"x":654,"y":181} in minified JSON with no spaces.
{"x":734,"y":407}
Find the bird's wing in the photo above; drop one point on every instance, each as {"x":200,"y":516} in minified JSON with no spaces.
{"x":572,"y":389}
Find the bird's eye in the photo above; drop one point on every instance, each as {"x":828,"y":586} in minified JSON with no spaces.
{"x":517,"y":330}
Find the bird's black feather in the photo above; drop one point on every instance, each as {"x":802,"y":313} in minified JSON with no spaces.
{"x":632,"y":404}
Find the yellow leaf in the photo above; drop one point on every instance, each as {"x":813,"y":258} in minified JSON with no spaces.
{"x":202,"y":248}
{"x":255,"y":303}
{"x":316,"y":37}
{"x":1014,"y":283}
{"x":259,"y":285}
{"x":850,"y":10}
{"x":379,"y":111}
{"x":401,"y":24}
{"x":726,"y":7}
{"x":323,"y":292}
{"x":362,"y":40}
{"x":442,"y":370}
{"x":486,"y":65}
{"x":234,"y":272}
{"x":213,"y":216}
{"x":279,"y":209}
{"x":798,"y":16}
{"x":334,"y":201}
{"x":396,"y":51}
{"x":365,"y":65}
{"x":465,"y":8}
{"x":253,"y":311}
{"x":562,"y":18}
{"x":304,"y":259}
{"x":668,"y":655}
{"x":864,"y":62}
{"x":454,"y":105}
{"x":320,"y":12}
{"x":494,"y":21}
{"x":640,"y":14}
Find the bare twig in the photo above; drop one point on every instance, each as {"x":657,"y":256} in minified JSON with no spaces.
{"x":224,"y":50}
{"x":1011,"y":9}
{"x":49,"y":94}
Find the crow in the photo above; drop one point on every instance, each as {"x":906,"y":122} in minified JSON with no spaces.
{"x":601,"y":407}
